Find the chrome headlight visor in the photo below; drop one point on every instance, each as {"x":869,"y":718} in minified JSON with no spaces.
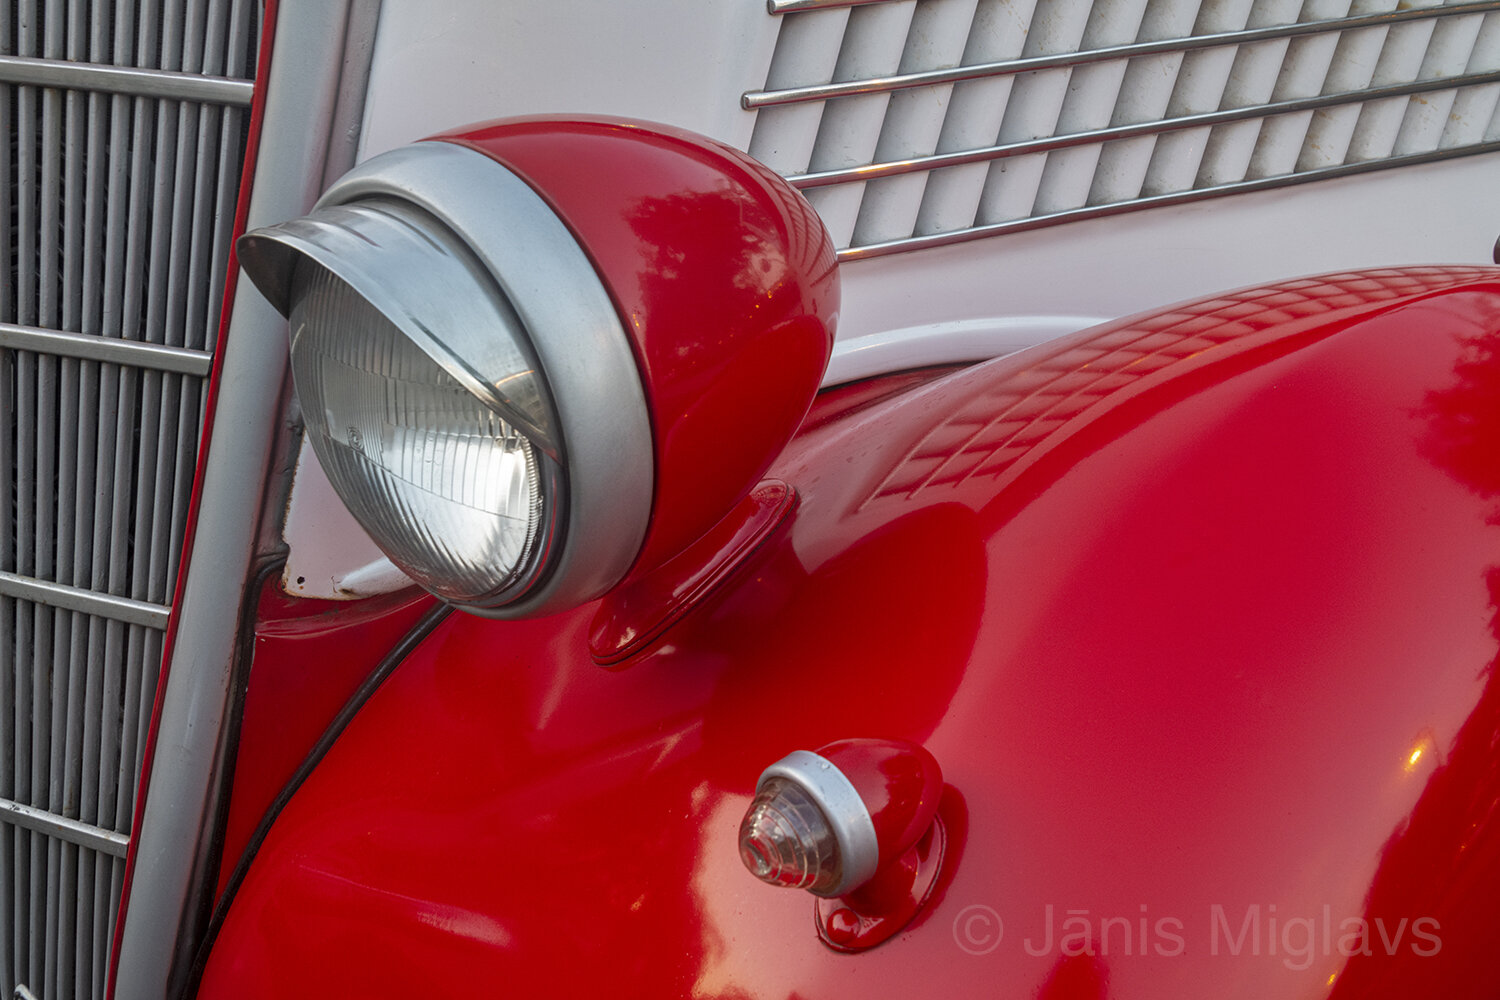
{"x":465,"y":379}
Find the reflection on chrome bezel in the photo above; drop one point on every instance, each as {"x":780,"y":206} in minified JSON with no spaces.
{"x":569,"y":320}
{"x":842,"y":807}
{"x":546,"y":473}
{"x":421,"y":301}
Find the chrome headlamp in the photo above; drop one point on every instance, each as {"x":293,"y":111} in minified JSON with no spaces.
{"x":431,"y":333}
{"x":540,"y":359}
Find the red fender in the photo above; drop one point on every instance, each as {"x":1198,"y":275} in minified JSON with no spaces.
{"x":1195,"y":610}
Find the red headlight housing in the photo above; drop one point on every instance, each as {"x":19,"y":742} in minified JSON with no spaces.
{"x":538,"y":357}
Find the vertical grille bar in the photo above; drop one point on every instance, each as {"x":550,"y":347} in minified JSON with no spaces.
{"x":116,"y":214}
{"x":44,"y":540}
{"x":87,"y":926}
{"x":11,"y":667}
{"x":12,"y":863}
{"x":93,"y":882}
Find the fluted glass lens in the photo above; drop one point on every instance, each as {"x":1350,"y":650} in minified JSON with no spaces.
{"x":450,"y":490}
{"x":785,"y":839}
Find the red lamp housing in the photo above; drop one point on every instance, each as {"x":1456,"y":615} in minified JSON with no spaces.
{"x":855,"y":824}
{"x":606,"y":331}
{"x":724,"y":277}
{"x":900,"y":784}
{"x":835,"y":820}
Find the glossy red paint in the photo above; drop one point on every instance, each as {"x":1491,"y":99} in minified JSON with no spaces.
{"x":1197,"y":610}
{"x":309,"y":656}
{"x":635,"y":614}
{"x":722,"y":274}
{"x":899,"y":783}
{"x":878,"y":910}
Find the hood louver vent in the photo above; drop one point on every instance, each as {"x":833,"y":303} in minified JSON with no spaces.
{"x":912,"y":123}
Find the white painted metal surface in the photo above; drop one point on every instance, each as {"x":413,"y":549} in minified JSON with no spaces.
{"x":438,"y":65}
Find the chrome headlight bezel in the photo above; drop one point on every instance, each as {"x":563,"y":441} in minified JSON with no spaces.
{"x":489,"y":283}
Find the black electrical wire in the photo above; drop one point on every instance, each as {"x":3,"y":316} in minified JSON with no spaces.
{"x":362,"y":694}
{"x":262,"y":570}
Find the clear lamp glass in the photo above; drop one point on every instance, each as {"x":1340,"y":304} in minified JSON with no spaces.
{"x":785,"y":839}
{"x":451,"y":491}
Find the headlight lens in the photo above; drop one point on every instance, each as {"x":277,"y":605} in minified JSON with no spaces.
{"x":452,"y":491}
{"x":466,"y":380}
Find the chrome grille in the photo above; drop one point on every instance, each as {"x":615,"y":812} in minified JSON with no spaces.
{"x":913,"y":123}
{"x":126,"y":125}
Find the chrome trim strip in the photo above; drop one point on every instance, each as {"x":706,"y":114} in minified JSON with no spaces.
{"x":818,"y":92}
{"x":1158,"y":201}
{"x":57,"y":595}
{"x":314,"y":91}
{"x":414,"y":272}
{"x":847,"y":815}
{"x":92,"y":347}
{"x":585,"y":354}
{"x":166,"y":84}
{"x":938,"y":160}
{"x":792,"y":6}
{"x":62,"y":828}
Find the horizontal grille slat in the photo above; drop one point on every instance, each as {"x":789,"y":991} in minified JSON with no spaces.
{"x":126,"y":121}
{"x":1113,"y":133}
{"x":97,"y":348}
{"x":120,"y":80}
{"x":788,"y":6}
{"x":1071,"y":109}
{"x":80,"y":834}
{"x":1160,"y":201}
{"x":58,"y":595}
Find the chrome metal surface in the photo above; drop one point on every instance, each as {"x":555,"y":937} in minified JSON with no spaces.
{"x":424,"y":281}
{"x":123,"y":80}
{"x":1010,"y":67}
{"x":937,"y":121}
{"x":1157,"y":201}
{"x":572,"y":325}
{"x":791,"y":6}
{"x":1207,"y":118}
{"x":859,"y":850}
{"x":93,"y":347}
{"x":57,"y":595}
{"x":116,"y":206}
{"x":62,"y":828}
{"x":314,"y":101}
